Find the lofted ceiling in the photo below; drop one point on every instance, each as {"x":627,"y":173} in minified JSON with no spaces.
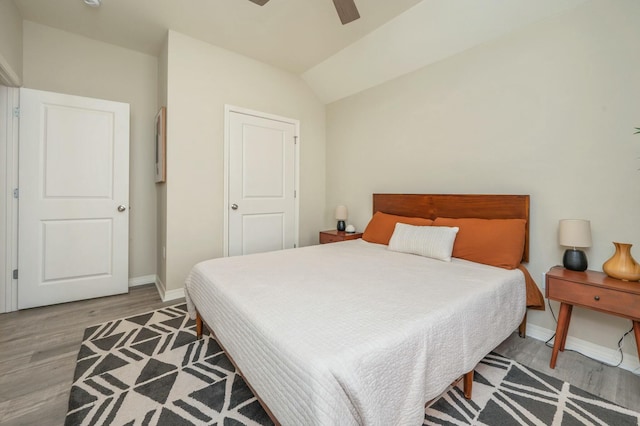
{"x":290,"y":34}
{"x":305,"y":37}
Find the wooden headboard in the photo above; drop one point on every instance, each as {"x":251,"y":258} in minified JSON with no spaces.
{"x":457,"y":206}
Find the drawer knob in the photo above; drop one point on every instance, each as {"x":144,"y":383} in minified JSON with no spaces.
{"x":596,"y":298}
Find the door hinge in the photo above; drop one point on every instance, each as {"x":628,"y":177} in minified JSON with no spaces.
{"x":15,"y":274}
{"x":16,"y":112}
{"x":16,"y":193}
{"x":295,"y":193}
{"x":295,"y":140}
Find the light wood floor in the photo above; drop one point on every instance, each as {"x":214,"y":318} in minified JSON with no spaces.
{"x":614,"y":384}
{"x":38,"y":349}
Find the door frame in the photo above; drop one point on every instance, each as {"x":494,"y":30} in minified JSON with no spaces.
{"x":9,"y":102}
{"x":228,"y":109}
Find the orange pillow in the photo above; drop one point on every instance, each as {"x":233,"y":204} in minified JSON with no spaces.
{"x":496,"y":242}
{"x":382,"y":225}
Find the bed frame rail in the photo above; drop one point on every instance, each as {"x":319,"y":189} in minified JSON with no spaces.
{"x":199,"y":329}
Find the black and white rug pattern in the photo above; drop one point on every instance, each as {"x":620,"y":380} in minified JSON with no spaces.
{"x":150,"y":370}
{"x":507,"y":393}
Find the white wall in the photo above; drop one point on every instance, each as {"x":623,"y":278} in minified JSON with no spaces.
{"x":10,"y":44}
{"x":59,"y":61}
{"x":201,"y":79}
{"x":547,"y":111}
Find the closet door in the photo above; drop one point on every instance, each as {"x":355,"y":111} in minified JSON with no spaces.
{"x":261,"y":184}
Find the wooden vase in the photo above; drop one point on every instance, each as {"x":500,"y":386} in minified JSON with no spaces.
{"x":622,"y":265}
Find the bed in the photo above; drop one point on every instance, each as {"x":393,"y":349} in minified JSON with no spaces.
{"x":355,"y":333}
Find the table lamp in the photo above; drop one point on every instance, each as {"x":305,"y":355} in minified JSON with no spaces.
{"x":341,"y":216}
{"x":574,"y":233}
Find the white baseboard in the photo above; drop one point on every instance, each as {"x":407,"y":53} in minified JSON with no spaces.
{"x":165,"y":295}
{"x":145,"y":279}
{"x":600,"y":353}
{"x":174,"y":294}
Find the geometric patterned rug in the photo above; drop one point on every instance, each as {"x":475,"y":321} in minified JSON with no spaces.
{"x":150,"y":370}
{"x":507,"y":393}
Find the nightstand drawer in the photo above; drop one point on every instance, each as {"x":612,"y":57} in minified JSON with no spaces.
{"x":601,"y":299}
{"x":324,"y":238}
{"x":337,"y":236}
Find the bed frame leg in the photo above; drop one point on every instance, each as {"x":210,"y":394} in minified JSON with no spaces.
{"x":522,"y":329}
{"x":198,"y":326}
{"x":468,"y":384}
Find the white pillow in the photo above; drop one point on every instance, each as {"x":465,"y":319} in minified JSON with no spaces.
{"x":429,"y":241}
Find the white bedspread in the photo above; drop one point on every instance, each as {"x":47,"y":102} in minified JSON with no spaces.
{"x":352,"y":333}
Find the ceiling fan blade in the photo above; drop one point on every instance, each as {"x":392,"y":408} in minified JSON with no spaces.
{"x":347,"y":10}
{"x":259,"y":2}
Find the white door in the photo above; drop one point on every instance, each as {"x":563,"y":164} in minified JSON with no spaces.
{"x":261,"y":179}
{"x":73,"y":198}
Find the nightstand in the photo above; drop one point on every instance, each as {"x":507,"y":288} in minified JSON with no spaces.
{"x":335,"y":236}
{"x":591,"y":290}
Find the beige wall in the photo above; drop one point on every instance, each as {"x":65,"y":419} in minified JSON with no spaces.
{"x":201,"y":79}
{"x":547,"y":111}
{"x":59,"y":61}
{"x":161,"y":189}
{"x":10,"y":43}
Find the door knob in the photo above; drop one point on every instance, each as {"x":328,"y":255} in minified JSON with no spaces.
{"x":234,"y":206}
{"x":121,"y":208}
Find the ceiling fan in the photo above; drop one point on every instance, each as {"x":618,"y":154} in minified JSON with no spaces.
{"x":346,"y":9}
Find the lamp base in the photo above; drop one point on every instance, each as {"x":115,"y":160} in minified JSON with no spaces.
{"x":575,"y":260}
{"x":341,"y":225}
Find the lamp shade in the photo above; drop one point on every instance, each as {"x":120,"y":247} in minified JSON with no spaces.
{"x":574,"y":233}
{"x":341,"y":213}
